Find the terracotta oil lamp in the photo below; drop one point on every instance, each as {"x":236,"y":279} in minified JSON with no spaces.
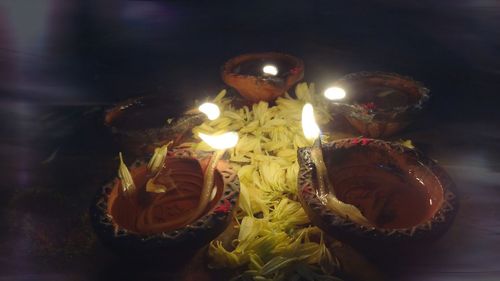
{"x":380,"y":104}
{"x":262,"y":76}
{"x":406,"y":197}
{"x":148,"y":224}
{"x":140,"y":124}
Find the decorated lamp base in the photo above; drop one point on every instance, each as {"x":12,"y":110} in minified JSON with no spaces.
{"x":406,"y":196}
{"x":262,"y":76}
{"x":380,"y":104}
{"x":152,"y":224}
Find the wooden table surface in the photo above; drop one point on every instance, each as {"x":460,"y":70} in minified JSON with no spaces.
{"x":62,"y":63}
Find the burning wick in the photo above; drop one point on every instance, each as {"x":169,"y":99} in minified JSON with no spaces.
{"x":334,"y":93}
{"x":210,"y":109}
{"x":220,"y":143}
{"x":270,"y":70}
{"x":309,"y":125}
{"x":313,"y":134}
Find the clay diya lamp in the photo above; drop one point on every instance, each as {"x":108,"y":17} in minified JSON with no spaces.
{"x":380,"y":104}
{"x":406,"y":197}
{"x":140,"y":124}
{"x":151,"y":225}
{"x":262,"y":76}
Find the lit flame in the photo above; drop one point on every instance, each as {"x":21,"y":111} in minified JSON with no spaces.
{"x":334,"y":93}
{"x":309,"y":126}
{"x":222,"y":141}
{"x":210,"y":109}
{"x":270,"y":69}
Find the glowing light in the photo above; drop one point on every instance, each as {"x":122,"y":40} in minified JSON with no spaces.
{"x":270,"y":69}
{"x":309,"y":125}
{"x":222,"y":141}
{"x":210,"y":109}
{"x":334,"y":93}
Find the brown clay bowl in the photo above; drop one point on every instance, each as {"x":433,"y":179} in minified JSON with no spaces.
{"x":407,"y":197}
{"x":119,"y":221}
{"x":380,"y":104}
{"x":245,"y":74}
{"x":142,"y":123}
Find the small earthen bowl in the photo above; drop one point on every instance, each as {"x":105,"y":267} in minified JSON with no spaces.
{"x":247,"y":75}
{"x":120,"y":222}
{"x":380,"y":104}
{"x":142,"y":123}
{"x":407,"y":198}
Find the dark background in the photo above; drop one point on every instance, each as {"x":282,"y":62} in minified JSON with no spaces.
{"x":63,"y":62}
